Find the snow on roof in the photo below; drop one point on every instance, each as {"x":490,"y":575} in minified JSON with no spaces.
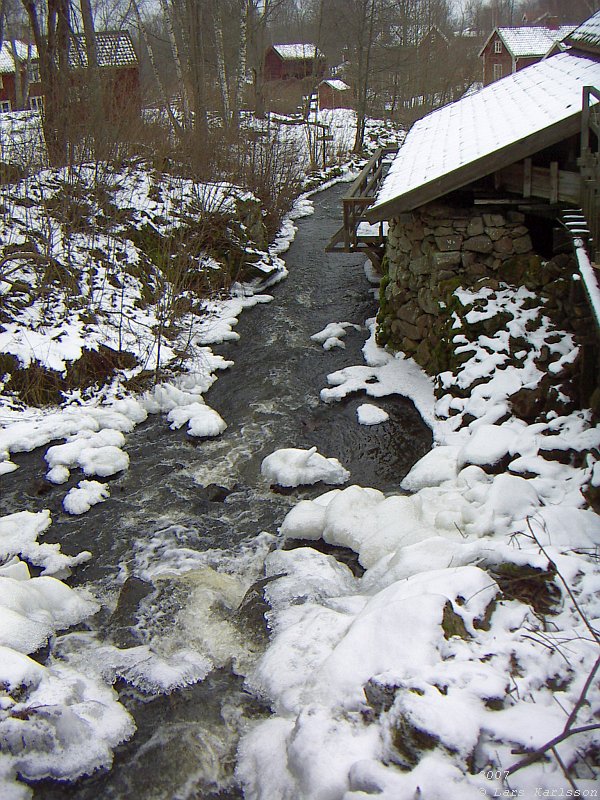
{"x":7,"y":64}
{"x":115,"y":49}
{"x":295,"y":52}
{"x":336,"y":84}
{"x":533,"y":41}
{"x":466,"y":132}
{"x":588,"y":33}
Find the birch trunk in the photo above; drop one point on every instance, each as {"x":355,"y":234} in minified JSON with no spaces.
{"x":221,"y":70}
{"x":185,"y":106}
{"x":242,"y":65}
{"x":144,"y":34}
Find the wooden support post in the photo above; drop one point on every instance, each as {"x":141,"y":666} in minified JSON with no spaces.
{"x":346,"y":204}
{"x":527,"y":173}
{"x":585,"y":121}
{"x":554,"y":182}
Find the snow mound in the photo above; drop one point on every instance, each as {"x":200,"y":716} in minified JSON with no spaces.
{"x":369,"y":414}
{"x":94,"y":452}
{"x":85,"y":495}
{"x":331,"y":336}
{"x":202,"y":420}
{"x":35,"y":608}
{"x":19,"y":537}
{"x":295,"y":467}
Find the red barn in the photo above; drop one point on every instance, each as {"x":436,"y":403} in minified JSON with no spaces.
{"x":334,"y":93}
{"x":293,"y":62}
{"x":508,"y":50}
{"x":119,"y":70}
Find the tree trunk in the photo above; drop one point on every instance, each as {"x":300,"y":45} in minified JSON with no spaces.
{"x":364,"y":73}
{"x":240,"y":83}
{"x":96,"y":94}
{"x":53,"y":55}
{"x":185,"y":105}
{"x":258,"y":73}
{"x":221,"y":70}
{"x":18,"y":76}
{"x":193,"y":13}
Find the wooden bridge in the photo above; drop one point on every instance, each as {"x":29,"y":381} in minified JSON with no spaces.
{"x":357,"y":234}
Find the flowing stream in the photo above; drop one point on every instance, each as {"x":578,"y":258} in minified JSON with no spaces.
{"x":181,"y":540}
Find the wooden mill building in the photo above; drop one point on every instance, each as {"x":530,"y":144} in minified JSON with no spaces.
{"x":511,"y":174}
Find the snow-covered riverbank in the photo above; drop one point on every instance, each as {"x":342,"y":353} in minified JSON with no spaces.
{"x":472,"y":636}
{"x":459,"y":642}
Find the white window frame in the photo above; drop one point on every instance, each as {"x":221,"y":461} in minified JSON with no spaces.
{"x":497,"y":71}
{"x":34,"y":73}
{"x":5,"y":106}
{"x":36,"y":102}
{"x":497,"y":46}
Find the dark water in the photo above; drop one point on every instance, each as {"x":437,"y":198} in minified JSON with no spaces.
{"x":161,"y":517}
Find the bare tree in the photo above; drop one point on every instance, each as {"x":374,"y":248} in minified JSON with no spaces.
{"x":52,"y":43}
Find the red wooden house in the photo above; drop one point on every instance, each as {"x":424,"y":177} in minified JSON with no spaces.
{"x":285,"y":62}
{"x":117,"y":61}
{"x":19,"y":77}
{"x":508,"y":50}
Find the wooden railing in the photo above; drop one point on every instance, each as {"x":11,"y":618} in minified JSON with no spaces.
{"x":360,"y":195}
{"x":589,"y":164}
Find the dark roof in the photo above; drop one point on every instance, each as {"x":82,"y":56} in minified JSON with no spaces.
{"x":115,"y":49}
{"x":587,"y":35}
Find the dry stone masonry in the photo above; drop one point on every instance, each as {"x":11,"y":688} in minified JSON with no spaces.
{"x":435,"y":249}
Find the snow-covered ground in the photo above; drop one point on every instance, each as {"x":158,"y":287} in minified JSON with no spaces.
{"x":59,"y":720}
{"x":471,"y":632}
{"x":472,"y":636}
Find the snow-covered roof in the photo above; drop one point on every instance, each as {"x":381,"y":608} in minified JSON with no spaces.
{"x":7,"y":63}
{"x":115,"y":49}
{"x":587,"y":35}
{"x":529,"y":41}
{"x":533,"y":41}
{"x":511,"y":118}
{"x":297,"y":52}
{"x":336,"y":84}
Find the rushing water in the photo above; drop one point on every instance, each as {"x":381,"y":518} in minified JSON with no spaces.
{"x":179,"y":541}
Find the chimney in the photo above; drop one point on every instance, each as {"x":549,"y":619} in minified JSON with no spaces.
{"x":553,"y":23}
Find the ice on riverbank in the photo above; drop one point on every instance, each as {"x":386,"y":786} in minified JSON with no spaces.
{"x":54,"y":721}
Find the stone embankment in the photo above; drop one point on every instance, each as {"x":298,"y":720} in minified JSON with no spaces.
{"x":437,"y":249}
